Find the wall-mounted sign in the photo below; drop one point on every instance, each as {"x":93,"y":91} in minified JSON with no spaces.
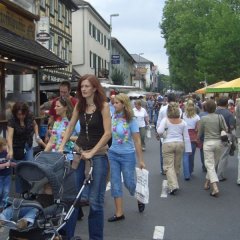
{"x":43,"y":35}
{"x":115,"y":59}
{"x":16,"y":23}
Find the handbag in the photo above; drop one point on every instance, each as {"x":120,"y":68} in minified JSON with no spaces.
{"x":192,"y":135}
{"x":223,"y":134}
{"x":142,"y":190}
{"x":164,"y":134}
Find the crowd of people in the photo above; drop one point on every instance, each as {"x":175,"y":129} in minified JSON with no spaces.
{"x":112,"y":134}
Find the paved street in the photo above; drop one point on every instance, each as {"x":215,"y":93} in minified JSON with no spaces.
{"x":191,"y":215}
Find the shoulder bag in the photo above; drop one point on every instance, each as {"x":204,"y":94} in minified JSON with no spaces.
{"x":223,"y":134}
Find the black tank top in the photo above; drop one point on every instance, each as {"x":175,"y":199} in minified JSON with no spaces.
{"x":95,"y":130}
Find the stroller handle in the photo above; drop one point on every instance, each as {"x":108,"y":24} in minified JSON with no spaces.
{"x":71,"y":152}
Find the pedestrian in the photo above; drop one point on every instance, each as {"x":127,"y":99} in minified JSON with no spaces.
{"x":21,"y":128}
{"x":64,"y":111}
{"x":230,"y":121}
{"x":210,"y":127}
{"x":5,"y":173}
{"x":163,"y":114}
{"x":143,"y":121}
{"x":237,"y":112}
{"x":192,"y":119}
{"x":150,"y":105}
{"x":95,"y":119}
{"x":125,"y":144}
{"x":175,"y":139}
{"x":200,"y":141}
{"x":64,"y":90}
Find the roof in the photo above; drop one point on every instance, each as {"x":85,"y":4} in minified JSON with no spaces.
{"x":29,"y":51}
{"x":140,"y":59}
{"x":123,"y":48}
{"x":70,"y":4}
{"x":83,"y":4}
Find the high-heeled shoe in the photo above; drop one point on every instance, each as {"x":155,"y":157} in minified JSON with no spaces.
{"x":207,"y":185}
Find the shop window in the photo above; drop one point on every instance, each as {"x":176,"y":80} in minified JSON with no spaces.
{"x":20,"y":85}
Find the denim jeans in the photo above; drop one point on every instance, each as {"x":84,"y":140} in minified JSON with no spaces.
{"x":5,"y":185}
{"x":97,"y":190}
{"x":69,"y":228}
{"x":125,"y":164}
{"x":142,"y":131}
{"x":28,"y":157}
{"x":28,"y":213}
{"x":188,"y":162}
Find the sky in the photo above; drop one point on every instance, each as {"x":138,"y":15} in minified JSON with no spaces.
{"x":136,"y":27}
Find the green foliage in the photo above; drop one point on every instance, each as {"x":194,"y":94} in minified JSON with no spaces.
{"x":118,"y":76}
{"x":202,"y":41}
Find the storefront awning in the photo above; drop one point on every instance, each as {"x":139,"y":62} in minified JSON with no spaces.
{"x":27,"y":51}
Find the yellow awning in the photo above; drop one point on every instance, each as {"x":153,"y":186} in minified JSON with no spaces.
{"x":203,"y":90}
{"x":232,"y":86}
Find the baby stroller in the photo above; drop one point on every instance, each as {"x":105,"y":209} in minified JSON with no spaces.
{"x":51,"y":168}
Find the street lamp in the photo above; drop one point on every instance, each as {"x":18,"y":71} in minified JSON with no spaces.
{"x":110,"y":45}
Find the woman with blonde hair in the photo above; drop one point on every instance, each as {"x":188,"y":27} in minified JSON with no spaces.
{"x":192,"y":119}
{"x":175,"y":138}
{"x":125,"y":144}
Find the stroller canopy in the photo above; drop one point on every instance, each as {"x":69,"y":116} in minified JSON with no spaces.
{"x":50,"y":165}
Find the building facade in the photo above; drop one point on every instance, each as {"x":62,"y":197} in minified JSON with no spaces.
{"x":90,"y":41}
{"x":54,"y":32}
{"x":144,"y":74}
{"x":123,"y":61}
{"x":21,"y":57}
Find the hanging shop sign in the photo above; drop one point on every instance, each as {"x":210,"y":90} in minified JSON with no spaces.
{"x":16,"y":23}
{"x":43,"y":35}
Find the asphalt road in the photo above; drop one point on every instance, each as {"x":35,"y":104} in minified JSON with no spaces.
{"x":190,"y":215}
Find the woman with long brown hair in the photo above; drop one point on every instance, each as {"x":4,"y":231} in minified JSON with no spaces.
{"x":94,"y":114}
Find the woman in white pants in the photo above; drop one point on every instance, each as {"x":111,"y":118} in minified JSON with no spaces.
{"x":211,"y":126}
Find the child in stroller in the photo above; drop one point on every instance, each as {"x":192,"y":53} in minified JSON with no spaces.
{"x":27,"y":215}
{"x":49,"y":212}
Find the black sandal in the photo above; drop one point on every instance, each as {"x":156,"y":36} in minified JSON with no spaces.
{"x":141,"y":207}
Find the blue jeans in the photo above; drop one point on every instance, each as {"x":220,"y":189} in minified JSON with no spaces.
{"x":97,"y":190}
{"x":69,"y":228}
{"x":125,"y":164}
{"x":28,"y":213}
{"x":5,"y":185}
{"x":188,"y":162}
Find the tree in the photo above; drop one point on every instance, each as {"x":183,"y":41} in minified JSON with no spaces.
{"x":118,"y":76}
{"x":202,"y":38}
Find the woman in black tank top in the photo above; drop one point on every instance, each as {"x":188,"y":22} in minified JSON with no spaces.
{"x":94,"y":114}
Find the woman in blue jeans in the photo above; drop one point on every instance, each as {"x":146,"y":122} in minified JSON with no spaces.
{"x":192,"y":119}
{"x":125,"y":135}
{"x":21,"y":128}
{"x":94,"y":114}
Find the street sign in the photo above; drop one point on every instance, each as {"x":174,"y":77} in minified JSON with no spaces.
{"x":115,"y":59}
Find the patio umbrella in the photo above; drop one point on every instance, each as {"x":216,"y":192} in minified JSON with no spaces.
{"x":203,"y":90}
{"x":232,"y":86}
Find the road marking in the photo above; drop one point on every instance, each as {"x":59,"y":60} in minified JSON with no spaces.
{"x":164,"y":193}
{"x":158,"y":233}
